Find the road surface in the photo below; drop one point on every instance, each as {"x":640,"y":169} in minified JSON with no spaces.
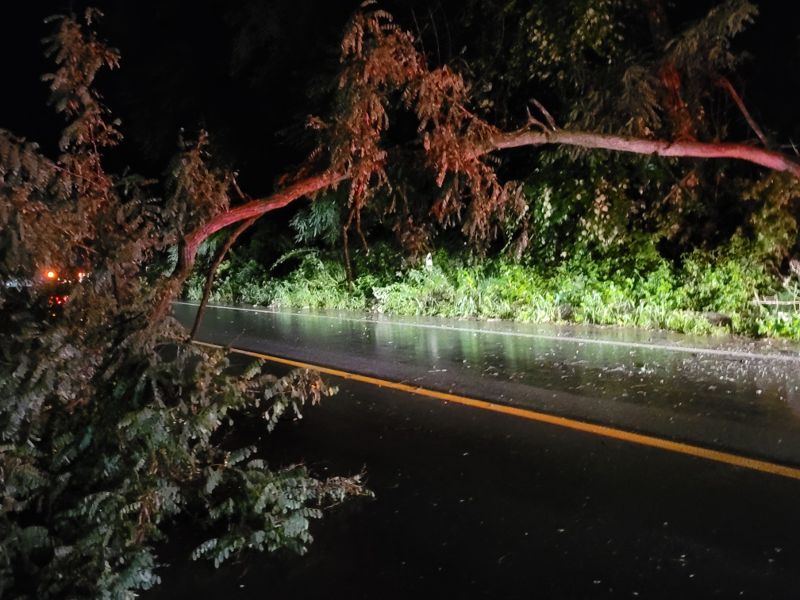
{"x":472,"y":503}
{"x":719,"y":393}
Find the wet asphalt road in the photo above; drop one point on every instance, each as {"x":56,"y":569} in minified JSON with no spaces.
{"x":727,"y":394}
{"x":472,"y":504}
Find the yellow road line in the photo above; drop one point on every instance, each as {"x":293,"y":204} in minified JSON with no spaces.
{"x":532,"y":415}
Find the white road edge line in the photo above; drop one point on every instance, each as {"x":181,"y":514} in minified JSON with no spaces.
{"x":539,"y":336}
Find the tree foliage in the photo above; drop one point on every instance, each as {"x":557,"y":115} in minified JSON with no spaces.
{"x":111,"y":424}
{"x":449,"y":172}
{"x":648,"y":99}
{"x":649,"y":69}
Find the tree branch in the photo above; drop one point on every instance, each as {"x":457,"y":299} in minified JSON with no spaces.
{"x":256,"y":208}
{"x":546,"y":113}
{"x":253,"y":209}
{"x":212,"y":271}
{"x":770,"y":159}
{"x":737,"y":99}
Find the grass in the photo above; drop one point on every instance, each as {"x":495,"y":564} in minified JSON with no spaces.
{"x":705,"y":293}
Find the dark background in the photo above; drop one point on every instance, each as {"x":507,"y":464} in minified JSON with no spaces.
{"x":250,"y":71}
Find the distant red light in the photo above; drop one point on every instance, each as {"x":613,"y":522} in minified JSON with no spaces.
{"x":57,"y":300}
{"x":51,"y":274}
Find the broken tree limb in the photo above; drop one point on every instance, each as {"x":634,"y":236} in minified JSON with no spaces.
{"x":212,"y":271}
{"x":737,"y":99}
{"x":256,"y":208}
{"x":776,"y":161}
{"x":764,"y":157}
{"x":253,"y":209}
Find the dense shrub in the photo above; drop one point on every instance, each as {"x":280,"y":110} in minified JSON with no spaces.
{"x":111,"y":425}
{"x":699,"y":294}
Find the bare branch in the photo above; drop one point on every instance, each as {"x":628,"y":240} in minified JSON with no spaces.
{"x":258,"y":207}
{"x":534,"y":122}
{"x":548,"y":117}
{"x":235,"y":185}
{"x":212,"y":271}
{"x":346,"y":248}
{"x":770,"y":159}
{"x":725,"y":84}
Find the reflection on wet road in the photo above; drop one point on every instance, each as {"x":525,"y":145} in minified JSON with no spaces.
{"x":722,"y":393}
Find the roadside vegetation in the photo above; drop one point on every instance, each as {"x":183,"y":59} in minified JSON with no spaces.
{"x":561,"y":234}
{"x":739,"y":286}
{"x":707,"y":292}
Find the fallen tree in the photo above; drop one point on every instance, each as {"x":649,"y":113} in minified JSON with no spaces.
{"x":380,"y":62}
